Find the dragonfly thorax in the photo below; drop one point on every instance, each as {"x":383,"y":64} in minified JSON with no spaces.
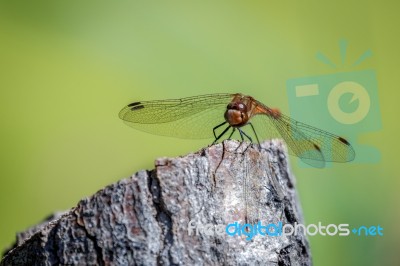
{"x":236,"y":114}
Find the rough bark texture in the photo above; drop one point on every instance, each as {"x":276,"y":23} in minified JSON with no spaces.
{"x":144,"y":219}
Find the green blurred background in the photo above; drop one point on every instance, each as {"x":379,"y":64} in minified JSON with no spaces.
{"x":68,"y":67}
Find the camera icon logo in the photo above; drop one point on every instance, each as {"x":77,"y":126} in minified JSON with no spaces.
{"x":345,"y":104}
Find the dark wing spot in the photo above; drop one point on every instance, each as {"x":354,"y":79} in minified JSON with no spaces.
{"x":137,"y":107}
{"x":317,"y":147}
{"x":343,"y":140}
{"x":134,"y":104}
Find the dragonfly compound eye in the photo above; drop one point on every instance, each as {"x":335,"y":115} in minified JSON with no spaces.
{"x":237,"y":106}
{"x":236,"y":114}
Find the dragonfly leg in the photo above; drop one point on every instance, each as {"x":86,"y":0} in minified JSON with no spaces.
{"x":233,"y":131}
{"x":220,"y":135}
{"x":241,"y":136}
{"x":216,"y":128}
{"x":242,"y":133}
{"x":254,"y":132}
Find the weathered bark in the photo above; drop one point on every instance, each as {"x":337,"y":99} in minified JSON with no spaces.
{"x":144,"y":219}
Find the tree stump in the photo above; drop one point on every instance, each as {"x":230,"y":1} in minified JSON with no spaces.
{"x":177,"y":214}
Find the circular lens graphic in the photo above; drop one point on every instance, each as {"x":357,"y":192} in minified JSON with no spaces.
{"x":359,"y":93}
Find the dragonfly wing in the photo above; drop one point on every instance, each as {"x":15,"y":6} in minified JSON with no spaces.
{"x":191,"y":117}
{"x":334,"y":148}
{"x":298,"y":143}
{"x":314,"y":146}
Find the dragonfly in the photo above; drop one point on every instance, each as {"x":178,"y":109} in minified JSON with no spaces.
{"x":214,"y":115}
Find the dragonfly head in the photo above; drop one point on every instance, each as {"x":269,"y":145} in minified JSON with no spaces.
{"x":236,"y":114}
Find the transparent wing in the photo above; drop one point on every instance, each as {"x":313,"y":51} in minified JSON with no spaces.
{"x":191,"y":117}
{"x":314,"y":146}
{"x":334,"y":148}
{"x":297,"y":142}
